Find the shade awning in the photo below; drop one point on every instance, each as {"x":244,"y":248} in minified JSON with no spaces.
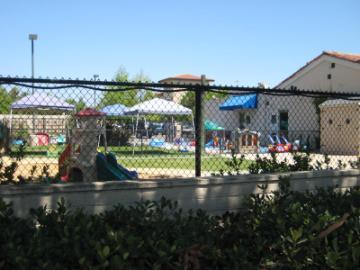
{"x":115,"y":110}
{"x":42,"y":102}
{"x":158,"y":106}
{"x":248,"y":101}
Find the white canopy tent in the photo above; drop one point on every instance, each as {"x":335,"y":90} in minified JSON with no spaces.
{"x":157,"y":106}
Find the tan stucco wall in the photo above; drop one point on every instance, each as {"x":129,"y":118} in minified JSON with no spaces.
{"x":340,"y":137}
{"x":177,"y":96}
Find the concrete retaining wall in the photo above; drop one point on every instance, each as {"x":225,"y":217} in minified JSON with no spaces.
{"x":214,"y":194}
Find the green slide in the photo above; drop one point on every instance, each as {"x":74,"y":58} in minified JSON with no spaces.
{"x":108,"y":169}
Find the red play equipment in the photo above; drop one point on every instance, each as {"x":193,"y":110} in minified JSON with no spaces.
{"x":279,"y":146}
{"x":288,"y":146}
{"x":42,"y":138}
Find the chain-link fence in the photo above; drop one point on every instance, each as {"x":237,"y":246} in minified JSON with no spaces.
{"x":86,"y":130}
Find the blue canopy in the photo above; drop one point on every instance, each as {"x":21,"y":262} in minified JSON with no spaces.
{"x":115,"y":110}
{"x":247,"y":101}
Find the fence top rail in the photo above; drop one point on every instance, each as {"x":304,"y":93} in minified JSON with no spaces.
{"x":104,"y":85}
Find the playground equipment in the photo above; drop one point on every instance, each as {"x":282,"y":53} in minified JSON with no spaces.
{"x":79,"y":160}
{"x":279,"y":146}
{"x":246,"y":141}
{"x":288,"y":147}
{"x":275,"y":147}
{"x":298,"y":146}
{"x":108,"y":168}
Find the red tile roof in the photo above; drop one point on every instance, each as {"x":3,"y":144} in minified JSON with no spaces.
{"x":186,"y":77}
{"x":345,"y":56}
{"x":89,"y":112}
{"x":355,"y":58}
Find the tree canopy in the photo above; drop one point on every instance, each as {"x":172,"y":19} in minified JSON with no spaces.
{"x":127,"y":97}
{"x":79,"y":105}
{"x":188,"y":100}
{"x":8,"y":97}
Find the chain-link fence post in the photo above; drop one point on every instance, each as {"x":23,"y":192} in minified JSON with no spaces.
{"x":199,"y":134}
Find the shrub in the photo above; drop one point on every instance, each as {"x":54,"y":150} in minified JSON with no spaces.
{"x":300,"y":162}
{"x":287,"y":230}
{"x":7,"y":172}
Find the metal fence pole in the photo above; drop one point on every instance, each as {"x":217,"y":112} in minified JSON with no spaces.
{"x":199,"y":138}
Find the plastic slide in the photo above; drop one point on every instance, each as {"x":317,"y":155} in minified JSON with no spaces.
{"x":210,"y":143}
{"x":278,"y":141}
{"x":285,"y":140}
{"x":108,"y":169}
{"x":111,"y":158}
{"x":271,"y":139}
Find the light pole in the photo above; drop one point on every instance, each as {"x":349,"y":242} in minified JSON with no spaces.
{"x":96,"y":77}
{"x":32,"y":37}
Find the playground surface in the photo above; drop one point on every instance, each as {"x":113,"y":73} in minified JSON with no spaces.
{"x":155,"y":164}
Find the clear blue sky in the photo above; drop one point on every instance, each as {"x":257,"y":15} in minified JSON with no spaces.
{"x":233,"y":42}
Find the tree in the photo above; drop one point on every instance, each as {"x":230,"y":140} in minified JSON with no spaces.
{"x":9,"y":97}
{"x":188,"y":100}
{"x":127,"y":97}
{"x":79,"y":105}
{"x":143,"y":95}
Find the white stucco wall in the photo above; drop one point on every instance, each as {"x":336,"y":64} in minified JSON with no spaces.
{"x":345,"y":76}
{"x":214,"y":194}
{"x":227,"y":119}
{"x":303,"y":117}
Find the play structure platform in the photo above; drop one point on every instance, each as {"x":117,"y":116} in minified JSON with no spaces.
{"x":80,"y":160}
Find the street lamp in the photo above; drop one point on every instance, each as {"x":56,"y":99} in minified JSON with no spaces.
{"x":32,"y":37}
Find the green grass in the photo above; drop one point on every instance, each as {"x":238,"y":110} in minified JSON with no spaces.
{"x":145,"y":150}
{"x":150,"y":157}
{"x":40,"y":150}
{"x":208,"y":163}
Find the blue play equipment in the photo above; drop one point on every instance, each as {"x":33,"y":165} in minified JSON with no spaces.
{"x":108,"y":168}
{"x":278,"y":141}
{"x":18,"y":142}
{"x":271,"y":139}
{"x":60,"y":139}
{"x":210,"y":143}
{"x":157,"y":142}
{"x":285,"y":140}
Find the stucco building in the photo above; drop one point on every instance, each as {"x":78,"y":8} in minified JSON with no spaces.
{"x":296,"y":117}
{"x":180,"y":79}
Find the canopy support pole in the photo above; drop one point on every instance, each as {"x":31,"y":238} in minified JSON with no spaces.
{"x":173,"y":129}
{"x":10,"y":124}
{"x":132,"y":122}
{"x":136,"y":128}
{"x":146,"y":127}
{"x":193,"y":124}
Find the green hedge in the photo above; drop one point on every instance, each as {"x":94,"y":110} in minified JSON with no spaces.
{"x":288,"y":230}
